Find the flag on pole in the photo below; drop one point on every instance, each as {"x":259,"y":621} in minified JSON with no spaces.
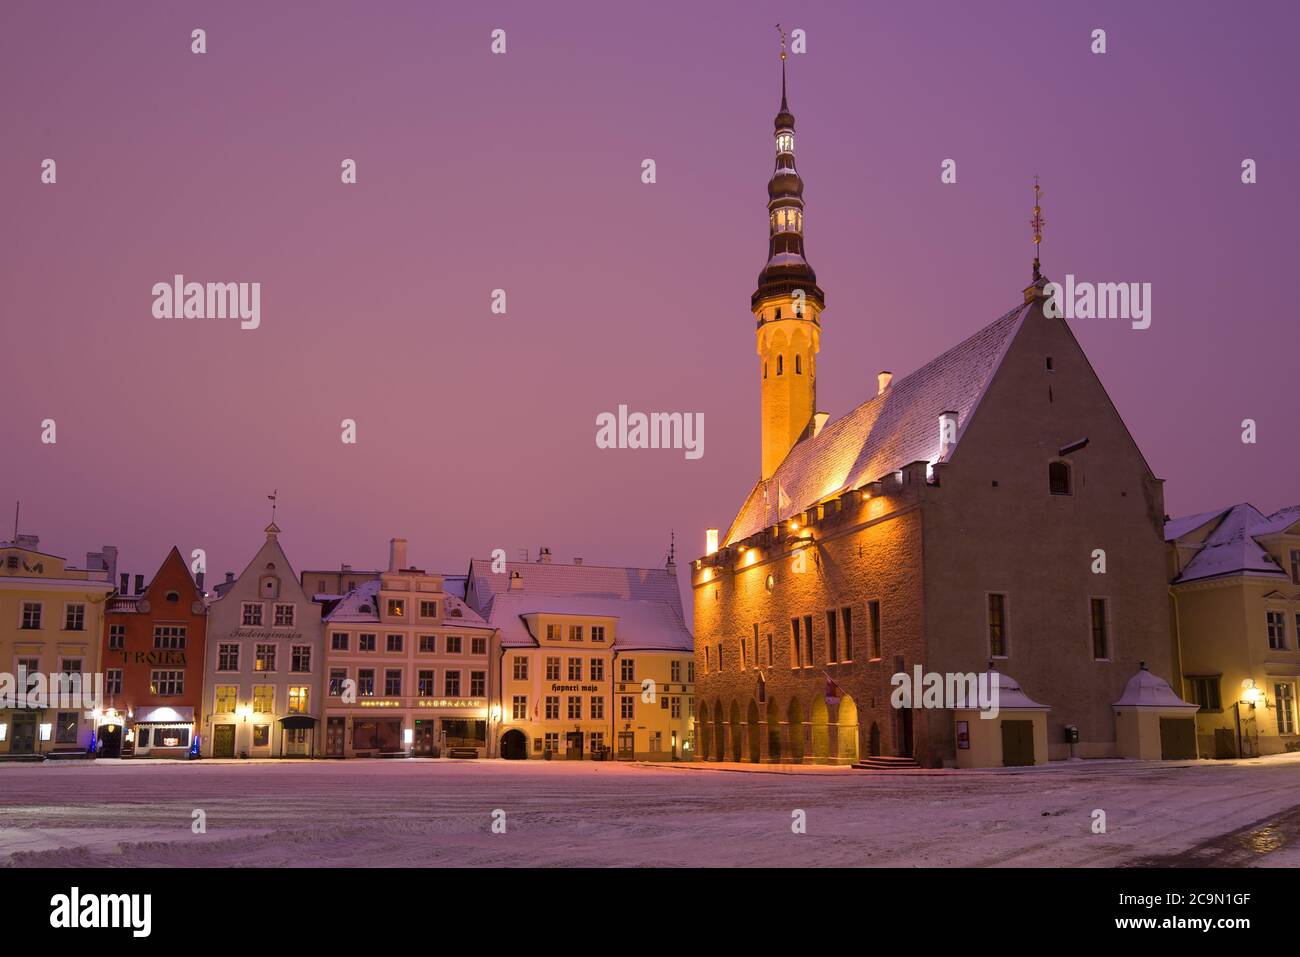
{"x":833,"y":691}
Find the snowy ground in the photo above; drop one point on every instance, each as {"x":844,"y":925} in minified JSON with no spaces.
{"x":380,"y":813}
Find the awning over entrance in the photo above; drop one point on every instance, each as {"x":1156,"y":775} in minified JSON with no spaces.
{"x":164,"y":715}
{"x":296,"y":722}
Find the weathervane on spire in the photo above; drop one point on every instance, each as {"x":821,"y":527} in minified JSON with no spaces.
{"x":782,"y":32}
{"x":272,"y":497}
{"x":1037,"y":224}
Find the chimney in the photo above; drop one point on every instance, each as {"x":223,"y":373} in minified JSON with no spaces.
{"x":710,"y":541}
{"x":125,"y":587}
{"x":396,"y":554}
{"x":577,"y":561}
{"x":516,"y":581}
{"x":230,"y":578}
{"x":882,"y":381}
{"x":32,"y":542}
{"x":947,"y":432}
{"x":139,"y":584}
{"x":543,"y":556}
{"x":819,"y":419}
{"x":198,"y":581}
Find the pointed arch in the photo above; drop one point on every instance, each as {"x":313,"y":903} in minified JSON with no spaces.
{"x":706,"y":732}
{"x":846,"y":730}
{"x":719,"y":732}
{"x":737,"y":732}
{"x":773,"y":731}
{"x":795,"y":719}
{"x":755,"y":740}
{"x":819,"y":720}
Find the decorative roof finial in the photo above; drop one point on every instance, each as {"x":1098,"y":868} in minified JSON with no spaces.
{"x":782,"y":32}
{"x":1037,"y":224}
{"x":273,"y":497}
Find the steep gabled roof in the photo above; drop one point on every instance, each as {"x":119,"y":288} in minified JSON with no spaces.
{"x":883,"y":434}
{"x":1178,"y":527}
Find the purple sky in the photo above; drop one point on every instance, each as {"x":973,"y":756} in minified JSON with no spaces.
{"x":522,"y":172}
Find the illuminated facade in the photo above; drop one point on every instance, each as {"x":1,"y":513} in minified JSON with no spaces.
{"x":1235,"y":591}
{"x":409,"y":669}
{"x":595,"y":661}
{"x":954,"y":519}
{"x":153,"y":644}
{"x":263,"y":664}
{"x":51,"y":620}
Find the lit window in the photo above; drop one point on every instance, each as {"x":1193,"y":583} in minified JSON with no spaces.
{"x":785,"y":142}
{"x":299,"y":699}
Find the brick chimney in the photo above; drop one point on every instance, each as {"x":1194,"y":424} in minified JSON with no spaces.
{"x":396,"y":554}
{"x":883,"y":379}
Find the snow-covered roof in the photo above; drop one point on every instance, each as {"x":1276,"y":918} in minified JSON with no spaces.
{"x":361,"y":605}
{"x":883,"y":434}
{"x":1232,"y":547}
{"x":1011,"y":697}
{"x":1147,"y":690}
{"x":643,"y":625}
{"x":1178,"y":527}
{"x":574,"y":581}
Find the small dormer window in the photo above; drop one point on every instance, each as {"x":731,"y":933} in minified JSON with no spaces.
{"x":1058,"y":478}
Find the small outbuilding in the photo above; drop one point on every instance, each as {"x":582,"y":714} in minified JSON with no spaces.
{"x":1152,"y":722}
{"x":1016,"y":736}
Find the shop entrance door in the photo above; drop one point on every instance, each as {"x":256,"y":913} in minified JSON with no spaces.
{"x":426,"y":738}
{"x":334,"y":734}
{"x":574,"y":741}
{"x":223,"y":741}
{"x":24,"y":733}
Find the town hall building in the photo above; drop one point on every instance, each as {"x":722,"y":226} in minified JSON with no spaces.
{"x":987,"y":514}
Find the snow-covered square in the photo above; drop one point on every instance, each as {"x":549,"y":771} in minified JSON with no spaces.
{"x":441,"y":813}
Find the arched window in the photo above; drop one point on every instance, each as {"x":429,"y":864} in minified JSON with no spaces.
{"x":1058,"y":478}
{"x":798,"y":364}
{"x":780,"y":365}
{"x":785,"y":142}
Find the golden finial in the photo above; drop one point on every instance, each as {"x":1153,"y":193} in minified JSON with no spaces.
{"x":782,"y":32}
{"x":1037,"y":224}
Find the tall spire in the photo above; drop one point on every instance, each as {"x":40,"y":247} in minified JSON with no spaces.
{"x":1037,"y":224}
{"x":784,"y":108}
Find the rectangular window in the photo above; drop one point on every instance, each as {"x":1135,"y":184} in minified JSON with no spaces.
{"x":675,"y":671}
{"x":676,"y":711}
{"x":74,"y":617}
{"x":873,"y":613}
{"x":519,"y":707}
{"x":169,"y":637}
{"x":396,"y":608}
{"x":846,"y":617}
{"x":337,"y":677}
{"x":166,"y":684}
{"x":116,"y":637}
{"x":575,"y":669}
{"x":575,"y":633}
{"x":796,"y":645}
{"x":597,"y":669}
{"x":428,"y":644}
{"x":552,"y":707}
{"x":31,"y":616}
{"x":264,"y":658}
{"x":301,"y":659}
{"x":744,"y":654}
{"x":67,"y":728}
{"x":552,"y":669}
{"x":299,"y":700}
{"x":339,"y":641}
{"x":424,"y":683}
{"x":394,"y":643}
{"x":452,"y":646}
{"x":263,"y":699}
{"x":575,"y":707}
{"x":428,"y":609}
{"x":477,"y":684}
{"x":832,"y":637}
{"x":552,"y":741}
{"x":1205,"y":692}
{"x":627,"y":669}
{"x":552,"y":632}
{"x":392,"y":682}
{"x":1284,"y":693}
{"x":225,"y":699}
{"x":598,"y":708}
{"x":1295,"y":566}
{"x":807,"y":641}
{"x":366,"y":683}
{"x":690,"y":665}
{"x":998,"y":626}
{"x":252,"y":614}
{"x":1276,"y":629}
{"x":520,"y":668}
{"x":1100,"y":630}
{"x":627,"y":707}
{"x":451,"y":684}
{"x":478,"y":645}
{"x":757,"y":660}
{"x":366,"y":642}
{"x":598,"y":633}
{"x":285,"y":616}
{"x":228,"y":657}
{"x":113,"y":681}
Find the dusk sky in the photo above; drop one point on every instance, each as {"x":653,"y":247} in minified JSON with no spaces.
{"x":522,"y":171}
